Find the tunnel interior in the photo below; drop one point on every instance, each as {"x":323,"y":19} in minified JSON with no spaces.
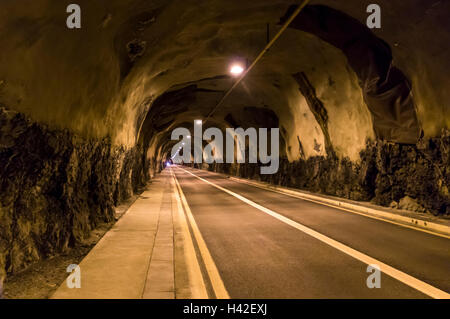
{"x":86,"y":115}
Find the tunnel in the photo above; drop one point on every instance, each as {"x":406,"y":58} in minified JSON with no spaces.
{"x":87,"y":116}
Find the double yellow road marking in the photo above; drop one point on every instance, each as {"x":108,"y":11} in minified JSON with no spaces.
{"x":388,"y":270}
{"x":211,"y":268}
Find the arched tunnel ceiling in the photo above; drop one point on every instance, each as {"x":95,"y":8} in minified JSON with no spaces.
{"x":102,"y":80}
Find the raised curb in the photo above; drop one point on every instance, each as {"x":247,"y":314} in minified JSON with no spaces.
{"x":419,"y":223}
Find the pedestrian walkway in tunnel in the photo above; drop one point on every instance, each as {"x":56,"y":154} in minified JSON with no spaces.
{"x":148,"y":254}
{"x":135,"y":259}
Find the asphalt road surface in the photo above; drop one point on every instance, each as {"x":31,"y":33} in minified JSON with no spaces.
{"x":260,"y":256}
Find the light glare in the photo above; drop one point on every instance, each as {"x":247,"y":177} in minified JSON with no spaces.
{"x":236,"y":69}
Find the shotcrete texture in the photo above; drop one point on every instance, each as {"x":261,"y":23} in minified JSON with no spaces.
{"x":86,"y":114}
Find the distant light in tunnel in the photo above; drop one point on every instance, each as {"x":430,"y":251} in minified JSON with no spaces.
{"x":236,"y":69}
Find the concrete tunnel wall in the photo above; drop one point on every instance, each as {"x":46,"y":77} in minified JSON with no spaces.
{"x":86,"y":115}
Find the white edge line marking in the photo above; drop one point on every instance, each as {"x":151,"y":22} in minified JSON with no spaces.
{"x":211,"y":268}
{"x":196,"y":282}
{"x":388,"y":270}
{"x":318,"y":201}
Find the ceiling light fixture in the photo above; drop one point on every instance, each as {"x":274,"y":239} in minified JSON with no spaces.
{"x":236,"y":69}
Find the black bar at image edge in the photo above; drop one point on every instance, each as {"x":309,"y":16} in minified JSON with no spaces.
{"x":237,"y":308}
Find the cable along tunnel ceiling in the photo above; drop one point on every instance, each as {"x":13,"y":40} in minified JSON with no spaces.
{"x":105,"y":79}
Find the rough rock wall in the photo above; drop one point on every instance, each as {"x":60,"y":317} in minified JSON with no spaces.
{"x":55,"y":187}
{"x":386,"y":174}
{"x":387,"y":91}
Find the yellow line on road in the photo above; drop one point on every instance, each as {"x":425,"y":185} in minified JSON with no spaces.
{"x":211,"y":268}
{"x":388,"y":270}
{"x":196,"y":282}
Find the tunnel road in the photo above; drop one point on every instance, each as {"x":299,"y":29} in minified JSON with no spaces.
{"x":264,"y":244}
